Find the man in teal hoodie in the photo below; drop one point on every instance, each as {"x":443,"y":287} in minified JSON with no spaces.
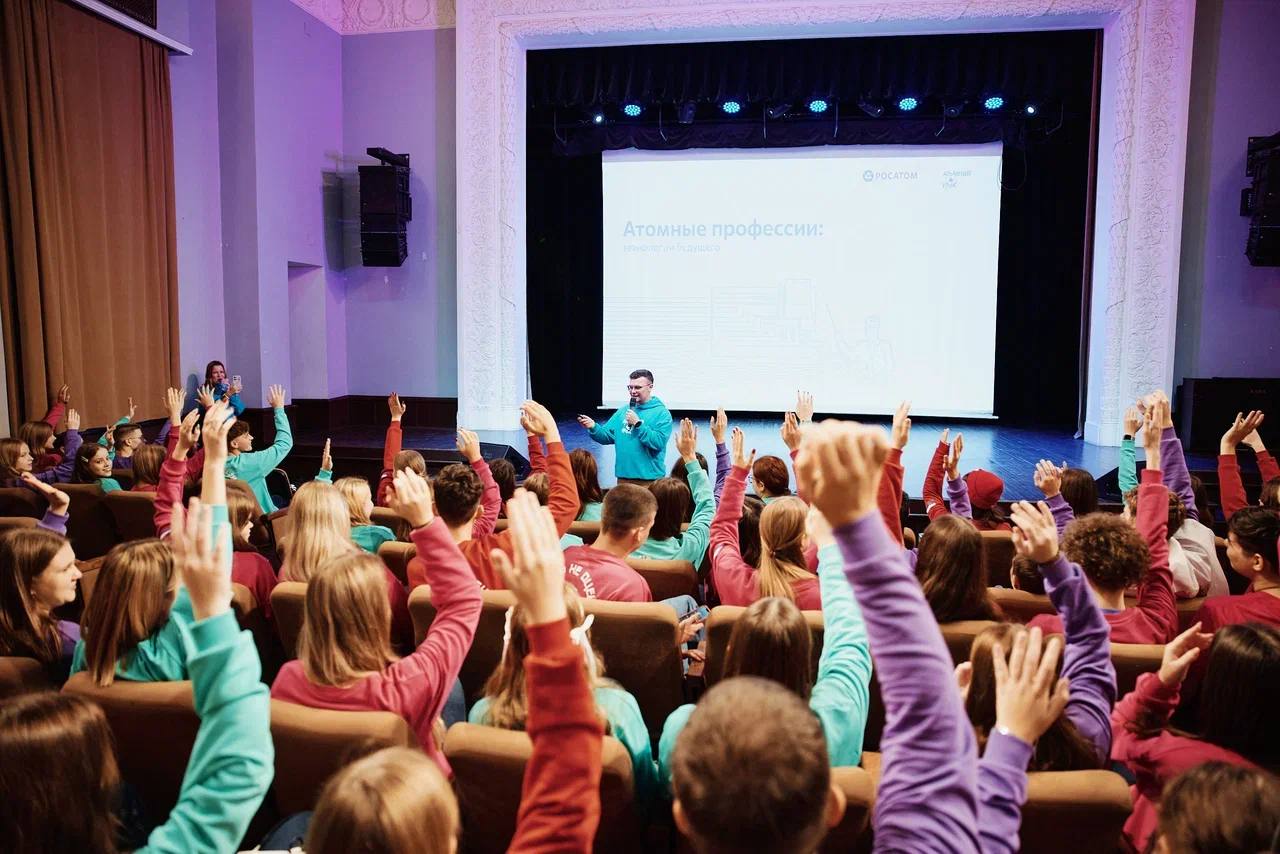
{"x":640,"y":431}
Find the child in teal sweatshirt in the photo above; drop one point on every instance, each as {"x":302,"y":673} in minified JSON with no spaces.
{"x":253,"y":466}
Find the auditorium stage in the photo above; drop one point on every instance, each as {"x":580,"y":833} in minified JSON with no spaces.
{"x":1010,"y":452}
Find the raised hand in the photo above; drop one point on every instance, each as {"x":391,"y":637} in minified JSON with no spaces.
{"x":902,"y":425}
{"x":468,"y":444}
{"x":953,"y":457}
{"x":64,"y":394}
{"x":1028,"y":697}
{"x":204,"y":396}
{"x":217,"y":423}
{"x":1132,"y":421}
{"x":839,"y":468}
{"x":73,"y":419}
{"x":199,"y":561}
{"x":791,"y":431}
{"x":1048,"y":478}
{"x":110,"y":435}
{"x":1151,"y":420}
{"x":1160,"y":402}
{"x":397,"y":408}
{"x":687,"y":441}
{"x":411,"y":498}
{"x":173,"y":400}
{"x":1180,"y":652}
{"x":538,"y":419}
{"x":188,"y":435}
{"x":804,"y":406}
{"x":133,"y":411}
{"x":275,"y":397}
{"x":589,"y":423}
{"x":234,"y":387}
{"x":326,"y":459}
{"x":536,"y":576}
{"x":818,"y":528}
{"x":740,"y":458}
{"x":945,"y":439}
{"x":719,"y":425}
{"x":58,"y":500}
{"x":1240,"y":430}
{"x":1035,"y":536}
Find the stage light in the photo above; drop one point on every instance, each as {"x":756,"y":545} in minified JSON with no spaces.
{"x":1032,"y":109}
{"x":597,"y":118}
{"x":907,"y":104}
{"x":951,"y":109}
{"x":777,"y":111}
{"x":731,"y":107}
{"x":818,"y":105}
{"x":872,"y":108}
{"x":994,"y":102}
{"x":632,"y":110}
{"x":686,"y":113}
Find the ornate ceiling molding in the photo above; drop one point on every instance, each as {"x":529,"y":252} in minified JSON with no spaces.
{"x":356,"y":17}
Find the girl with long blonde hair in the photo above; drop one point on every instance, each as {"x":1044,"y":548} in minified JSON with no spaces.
{"x":359,"y":497}
{"x":318,"y":531}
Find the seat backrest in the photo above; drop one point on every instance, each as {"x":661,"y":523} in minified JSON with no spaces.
{"x":637,"y":641}
{"x":389,"y":518}
{"x":91,"y":528}
{"x":1187,"y":609}
{"x":859,"y":793}
{"x":7,"y":522}
{"x":134,"y":513}
{"x":124,"y":477}
{"x":1070,"y":811}
{"x":289,"y":607}
{"x":997,"y":556}
{"x":486,"y":647}
{"x":277,"y":522}
{"x":959,"y":636}
{"x":154,"y":726}
{"x":312,"y":744}
{"x":589,"y":531}
{"x":488,"y":766}
{"x":1131,"y":660}
{"x":1019,"y":606}
{"x":89,"y":577}
{"x":667,"y":578}
{"x":396,"y":556}
{"x":20,"y":501}
{"x":720,"y":627}
{"x":19,"y":675}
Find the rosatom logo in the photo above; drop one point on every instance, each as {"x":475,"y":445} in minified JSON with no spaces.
{"x":885,"y":175}
{"x":868,"y":176}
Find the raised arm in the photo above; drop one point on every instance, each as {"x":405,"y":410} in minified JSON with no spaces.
{"x":562,"y":489}
{"x":1128,"y":471}
{"x":391,"y":447}
{"x":1230,"y":486}
{"x":932,"y":489}
{"x":55,"y":413}
{"x":719,"y":427}
{"x":1155,"y":590}
{"x":889,"y":498}
{"x":259,"y":463}
{"x":71,"y":442}
{"x":693,"y":544}
{"x":55,"y":515}
{"x":1174,"y":463}
{"x":928,"y":791}
{"x":468,"y":444}
{"x":1048,"y":479}
{"x":173,"y":471}
{"x":603,"y":433}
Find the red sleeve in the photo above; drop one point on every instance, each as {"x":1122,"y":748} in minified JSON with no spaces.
{"x":168,"y":491}
{"x":401,"y":621}
{"x":195,"y":466}
{"x":55,"y":413}
{"x":1230,"y":487}
{"x":889,"y":498}
{"x":491,"y":500}
{"x":1150,"y":702}
{"x":1267,"y":466}
{"x":795,"y":452}
{"x":933,"y":484}
{"x":562,"y":489}
{"x":390,"y":448}
{"x":537,"y":459}
{"x":732,"y":576}
{"x":560,"y":800}
{"x":1155,"y":591}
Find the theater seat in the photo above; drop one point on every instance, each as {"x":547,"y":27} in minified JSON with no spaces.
{"x":486,"y":648}
{"x":89,"y":570}
{"x":720,"y":627}
{"x":960,"y":634}
{"x":396,"y":556}
{"x":91,"y":528}
{"x":124,"y":477}
{"x":19,"y":675}
{"x":1187,"y":609}
{"x":277,"y":523}
{"x":859,"y":793}
{"x":20,"y":501}
{"x":1020,"y":606}
{"x":667,"y":578}
{"x":488,"y":766}
{"x":154,"y":726}
{"x":312,"y":744}
{"x":997,"y":556}
{"x":1131,"y":660}
{"x":589,"y":531}
{"x":134,"y":514}
{"x":8,"y":522}
{"x":637,"y":641}
{"x":288,"y":606}
{"x":387,"y":517}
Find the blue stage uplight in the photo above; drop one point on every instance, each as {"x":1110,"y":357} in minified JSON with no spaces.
{"x":818,"y":105}
{"x":632,"y":110}
{"x":1032,"y":109}
{"x":731,"y":107}
{"x":995,"y":102}
{"x":907,"y":104}
{"x":597,"y":118}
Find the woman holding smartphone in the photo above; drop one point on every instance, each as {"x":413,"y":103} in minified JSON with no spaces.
{"x":217,"y":386}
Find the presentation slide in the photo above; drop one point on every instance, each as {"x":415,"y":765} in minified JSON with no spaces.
{"x":864,"y":274}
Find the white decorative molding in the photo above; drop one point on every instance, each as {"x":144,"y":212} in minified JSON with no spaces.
{"x":356,"y":17}
{"x":1141,"y":150}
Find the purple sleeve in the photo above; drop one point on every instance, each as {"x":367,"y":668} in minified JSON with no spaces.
{"x":958,"y":497}
{"x":722,"y":468}
{"x":64,"y":470}
{"x":162,"y":437}
{"x":53,"y":522}
{"x":927,"y":797}
{"x":1002,"y":790}
{"x":1063,"y":515}
{"x":1086,"y":661}
{"x":1173,"y":465}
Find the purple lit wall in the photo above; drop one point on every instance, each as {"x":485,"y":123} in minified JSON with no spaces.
{"x":1228,"y":311}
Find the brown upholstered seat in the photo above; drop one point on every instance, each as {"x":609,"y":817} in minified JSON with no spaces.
{"x":277,"y":523}
{"x":89,"y":577}
{"x":488,"y":766}
{"x":387,"y":517}
{"x":124,"y":477}
{"x":589,"y":531}
{"x":7,"y":522}
{"x":288,"y":607}
{"x":154,"y":726}
{"x":859,"y":792}
{"x":720,"y":626}
{"x":91,"y":527}
{"x":667,"y":578}
{"x":312,"y":744}
{"x":396,"y":556}
{"x":960,"y":634}
{"x":637,"y":641}
{"x":134,"y":514}
{"x":997,"y":556}
{"x":1131,"y":660}
{"x":20,"y":501}
{"x":486,"y":646}
{"x":19,"y":675}
{"x":1020,"y":606}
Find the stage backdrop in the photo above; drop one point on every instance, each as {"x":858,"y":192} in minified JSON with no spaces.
{"x":1043,"y":196}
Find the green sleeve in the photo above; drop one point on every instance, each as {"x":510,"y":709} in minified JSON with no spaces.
{"x":1128,"y":465}
{"x":671,"y":730}
{"x":231,"y":764}
{"x":102,"y":440}
{"x":324,"y":476}
{"x":478,"y":711}
{"x":258,"y":464}
{"x":605,"y":434}
{"x":693,"y":544}
{"x":840,"y":695}
{"x":109,"y":484}
{"x":626,"y":724}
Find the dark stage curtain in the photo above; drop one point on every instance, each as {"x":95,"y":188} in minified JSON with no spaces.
{"x":1043,"y":201}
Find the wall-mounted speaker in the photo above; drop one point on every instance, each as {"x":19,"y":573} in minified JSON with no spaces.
{"x":385,"y":207}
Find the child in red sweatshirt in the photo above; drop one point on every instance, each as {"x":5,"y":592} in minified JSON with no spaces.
{"x":1245,"y":430}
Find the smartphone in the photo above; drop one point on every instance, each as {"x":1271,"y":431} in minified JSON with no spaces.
{"x":235,"y":381}
{"x":703,"y":612}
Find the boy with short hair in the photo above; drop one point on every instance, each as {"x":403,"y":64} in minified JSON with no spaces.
{"x":600,"y":570}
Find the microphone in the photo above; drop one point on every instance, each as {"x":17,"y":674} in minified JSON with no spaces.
{"x":631,"y":407}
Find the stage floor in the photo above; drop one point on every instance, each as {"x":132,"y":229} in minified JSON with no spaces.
{"x":1010,"y":452}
